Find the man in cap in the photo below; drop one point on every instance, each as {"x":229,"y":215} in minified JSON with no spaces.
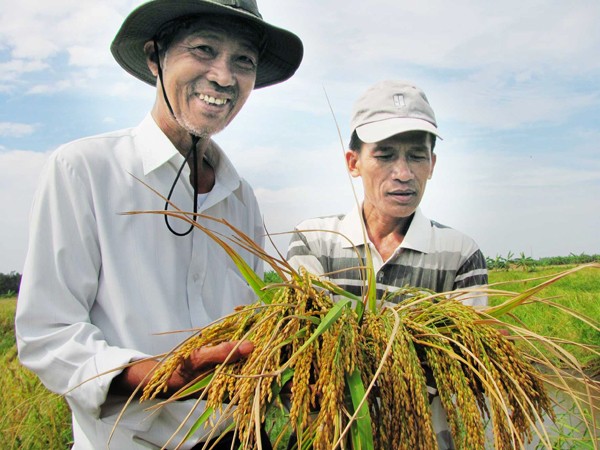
{"x":391,"y":148}
{"x":99,"y":288}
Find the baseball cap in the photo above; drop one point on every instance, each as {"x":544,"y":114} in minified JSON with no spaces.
{"x":391,"y":107}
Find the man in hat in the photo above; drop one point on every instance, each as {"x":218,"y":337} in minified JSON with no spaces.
{"x":100,"y":289}
{"x":391,"y":148}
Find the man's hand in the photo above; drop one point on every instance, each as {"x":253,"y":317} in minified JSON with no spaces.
{"x":198,"y":362}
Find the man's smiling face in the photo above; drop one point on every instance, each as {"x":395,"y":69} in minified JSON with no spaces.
{"x":209,"y":71}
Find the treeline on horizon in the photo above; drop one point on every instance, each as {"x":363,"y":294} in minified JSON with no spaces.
{"x":524,"y":262}
{"x":9,"y":283}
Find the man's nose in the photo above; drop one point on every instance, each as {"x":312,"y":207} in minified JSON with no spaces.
{"x":402,"y":170}
{"x":220,"y":72}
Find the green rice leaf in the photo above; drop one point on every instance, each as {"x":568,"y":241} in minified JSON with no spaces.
{"x":198,"y":386}
{"x":201,"y":421}
{"x":334,"y":313}
{"x":361,"y":431}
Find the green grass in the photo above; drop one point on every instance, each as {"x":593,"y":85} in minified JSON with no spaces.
{"x":579,"y":291}
{"x":31,"y":417}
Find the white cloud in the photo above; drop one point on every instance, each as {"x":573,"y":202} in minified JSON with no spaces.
{"x":36,"y":33}
{"x":284,"y":208}
{"x":82,"y":56}
{"x":47,"y":88}
{"x":11,"y":129}
{"x":491,"y":100}
{"x":19,"y":172}
{"x":11,"y":71}
{"x":456,"y":35}
{"x":501,"y":65}
{"x":536,"y":205}
{"x":36,"y":29}
{"x":298,"y":163}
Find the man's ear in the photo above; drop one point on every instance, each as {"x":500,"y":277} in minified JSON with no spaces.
{"x":433,"y":160}
{"x":352,"y":162}
{"x":151,"y":57}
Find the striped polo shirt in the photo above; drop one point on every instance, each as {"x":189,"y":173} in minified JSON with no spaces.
{"x":431,"y":256}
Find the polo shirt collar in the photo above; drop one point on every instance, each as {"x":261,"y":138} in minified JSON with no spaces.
{"x":418,"y":237}
{"x":351,"y":228}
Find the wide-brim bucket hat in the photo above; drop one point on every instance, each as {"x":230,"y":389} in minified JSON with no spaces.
{"x":279,"y":59}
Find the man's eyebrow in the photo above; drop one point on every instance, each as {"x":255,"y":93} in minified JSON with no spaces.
{"x":217,"y":35}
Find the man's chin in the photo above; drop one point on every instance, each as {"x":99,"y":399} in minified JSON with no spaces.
{"x":202,"y":132}
{"x":404,"y":211}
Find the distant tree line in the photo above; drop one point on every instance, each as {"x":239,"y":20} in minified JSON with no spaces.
{"x":524,"y":262}
{"x":9,"y":283}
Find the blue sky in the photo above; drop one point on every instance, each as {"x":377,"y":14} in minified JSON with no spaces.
{"x":515,"y":86}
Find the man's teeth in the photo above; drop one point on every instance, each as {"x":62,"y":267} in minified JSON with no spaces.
{"x":213,"y":101}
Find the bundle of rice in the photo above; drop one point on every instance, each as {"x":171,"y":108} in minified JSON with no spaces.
{"x":355,"y":373}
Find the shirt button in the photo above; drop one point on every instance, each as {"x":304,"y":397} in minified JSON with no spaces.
{"x":196,"y":277}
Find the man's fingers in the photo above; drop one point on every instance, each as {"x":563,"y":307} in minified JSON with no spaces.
{"x":208,"y":356}
{"x":245,"y":348}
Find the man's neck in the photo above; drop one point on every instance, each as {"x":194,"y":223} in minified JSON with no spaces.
{"x":204,"y":178}
{"x":386,"y":233}
{"x":179,"y":137}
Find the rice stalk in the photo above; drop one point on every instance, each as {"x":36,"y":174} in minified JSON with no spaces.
{"x":403,"y":353}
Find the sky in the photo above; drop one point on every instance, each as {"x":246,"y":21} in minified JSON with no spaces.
{"x":515,"y":86}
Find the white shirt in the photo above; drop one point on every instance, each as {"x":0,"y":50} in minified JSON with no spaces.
{"x":98,"y":287}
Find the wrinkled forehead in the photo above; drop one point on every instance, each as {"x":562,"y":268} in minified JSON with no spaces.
{"x":249,"y":33}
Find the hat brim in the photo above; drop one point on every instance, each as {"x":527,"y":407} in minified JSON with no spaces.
{"x":383,"y":129}
{"x":280,"y":59}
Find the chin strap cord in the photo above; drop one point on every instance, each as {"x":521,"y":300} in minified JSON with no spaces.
{"x":192,"y":152}
{"x":160,"y":77}
{"x":194,"y":155}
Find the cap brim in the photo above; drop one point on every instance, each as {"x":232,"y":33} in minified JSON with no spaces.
{"x":279,"y":61}
{"x":383,"y":129}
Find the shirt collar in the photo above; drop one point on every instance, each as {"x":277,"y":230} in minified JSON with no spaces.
{"x":351,"y":227}
{"x":154,"y":145}
{"x":418,"y":237}
{"x":156,"y":149}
